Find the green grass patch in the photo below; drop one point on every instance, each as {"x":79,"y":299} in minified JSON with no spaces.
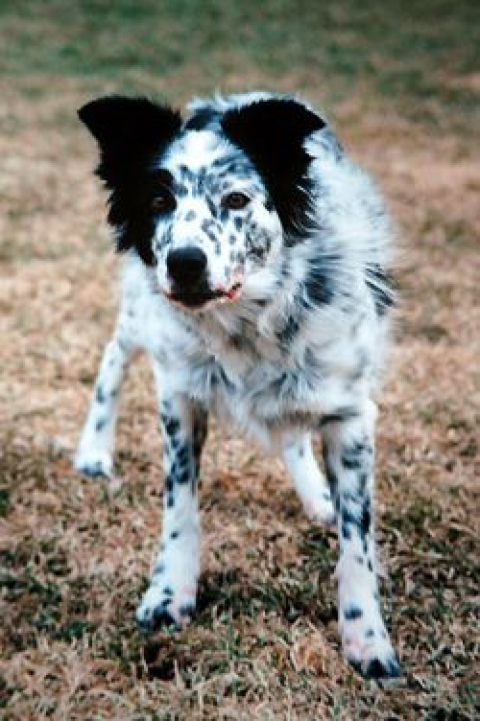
{"x":403,"y":51}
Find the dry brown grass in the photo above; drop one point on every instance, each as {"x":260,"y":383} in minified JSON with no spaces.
{"x":76,"y":556}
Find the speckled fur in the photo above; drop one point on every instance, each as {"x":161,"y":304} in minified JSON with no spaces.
{"x":298,"y":347}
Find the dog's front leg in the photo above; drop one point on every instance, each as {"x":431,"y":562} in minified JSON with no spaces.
{"x":349,"y":461}
{"x":94,"y":456}
{"x":171,"y":596}
{"x":309,"y":482}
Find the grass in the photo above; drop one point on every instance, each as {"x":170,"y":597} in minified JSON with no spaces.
{"x":402,"y":84}
{"x":401,"y":51}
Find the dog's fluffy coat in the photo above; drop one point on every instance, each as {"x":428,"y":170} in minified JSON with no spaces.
{"x":256,"y":277}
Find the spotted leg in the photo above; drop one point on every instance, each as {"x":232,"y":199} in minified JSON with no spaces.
{"x":349,"y":462}
{"x":309,"y":482}
{"x":94,"y":456}
{"x":171,"y":596}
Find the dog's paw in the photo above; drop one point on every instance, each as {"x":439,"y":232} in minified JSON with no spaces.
{"x":319,"y":509}
{"x":369,"y":650}
{"x":161,"y":606}
{"x":94,"y":463}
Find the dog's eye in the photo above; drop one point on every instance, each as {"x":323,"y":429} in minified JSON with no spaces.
{"x":163,"y":202}
{"x":235,"y":201}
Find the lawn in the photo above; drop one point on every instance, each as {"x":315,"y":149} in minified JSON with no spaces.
{"x":401,"y":84}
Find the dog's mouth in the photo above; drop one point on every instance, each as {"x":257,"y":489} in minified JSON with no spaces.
{"x":199,"y":299}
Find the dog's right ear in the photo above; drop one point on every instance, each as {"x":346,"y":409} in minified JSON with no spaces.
{"x":272,"y":133}
{"x":129,"y":129}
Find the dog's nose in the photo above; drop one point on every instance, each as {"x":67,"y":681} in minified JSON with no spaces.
{"x":186,"y":265}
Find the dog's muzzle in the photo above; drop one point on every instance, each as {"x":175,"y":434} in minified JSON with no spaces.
{"x":187,"y":270}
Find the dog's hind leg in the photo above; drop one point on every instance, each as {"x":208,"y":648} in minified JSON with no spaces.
{"x":94,"y":456}
{"x":309,"y":482}
{"x":171,"y":596}
{"x":349,"y":462}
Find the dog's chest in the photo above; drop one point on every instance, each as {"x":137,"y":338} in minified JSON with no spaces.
{"x":255,"y":381}
{"x":234,"y":368}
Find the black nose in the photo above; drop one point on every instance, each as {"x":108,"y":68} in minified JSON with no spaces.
{"x":186,"y":265}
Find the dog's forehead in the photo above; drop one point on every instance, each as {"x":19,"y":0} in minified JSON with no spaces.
{"x":197,"y":150}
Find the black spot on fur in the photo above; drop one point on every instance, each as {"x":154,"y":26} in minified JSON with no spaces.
{"x":183,"y":455}
{"x":341,"y":415}
{"x":212,"y":207}
{"x":100,"y":425}
{"x":131,"y":133}
{"x":183,"y":477}
{"x":201,"y":119}
{"x":366,"y":518}
{"x":174,"y":442}
{"x":358,"y":456}
{"x":224,"y":380}
{"x":383,"y":669}
{"x":287,"y":334}
{"x":362,"y":483}
{"x":380,"y":284}
{"x":208,"y":228}
{"x":100,"y":395}
{"x":174,"y":535}
{"x":172,"y":426}
{"x":94,"y":471}
{"x":319,"y":285}
{"x":272,"y":133}
{"x":348,"y":516}
{"x":180,"y":190}
{"x":187,"y":609}
{"x":332,"y":480}
{"x":351,"y":462}
{"x":353,"y":612}
{"x":162,"y":619}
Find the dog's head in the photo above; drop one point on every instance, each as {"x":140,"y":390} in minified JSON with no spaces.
{"x":208,"y":202}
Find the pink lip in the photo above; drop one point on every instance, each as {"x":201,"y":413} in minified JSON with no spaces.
{"x":234,"y":292}
{"x":219,"y":295}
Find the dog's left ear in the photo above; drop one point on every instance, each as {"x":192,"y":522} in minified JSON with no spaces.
{"x":272,"y":133}
{"x":128,"y":129}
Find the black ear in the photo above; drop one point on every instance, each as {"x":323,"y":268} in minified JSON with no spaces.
{"x":272,"y":132}
{"x":131,"y":133}
{"x":128,"y":130}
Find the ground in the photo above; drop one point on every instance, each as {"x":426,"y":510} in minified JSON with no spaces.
{"x":401,"y":86}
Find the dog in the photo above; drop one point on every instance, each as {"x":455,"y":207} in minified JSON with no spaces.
{"x":257,"y":277}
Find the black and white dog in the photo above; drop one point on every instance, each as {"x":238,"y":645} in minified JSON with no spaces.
{"x":256,"y":278}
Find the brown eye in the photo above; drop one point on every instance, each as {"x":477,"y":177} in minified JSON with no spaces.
{"x":163,"y":202}
{"x":235,"y":201}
